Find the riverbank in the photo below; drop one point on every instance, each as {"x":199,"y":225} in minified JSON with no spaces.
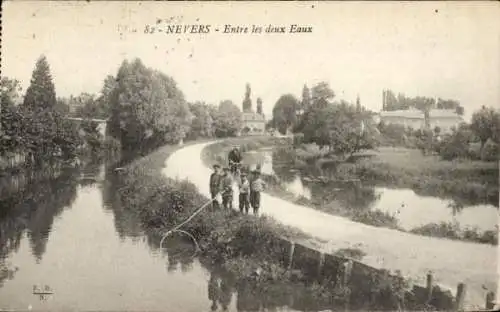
{"x":321,"y":171}
{"x":244,"y":246}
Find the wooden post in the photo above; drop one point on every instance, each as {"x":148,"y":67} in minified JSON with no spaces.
{"x":461,"y":291}
{"x":429,"y":286}
{"x":490,"y":300}
{"x":321,"y":262}
{"x":347,"y":272}
{"x":290,"y":255}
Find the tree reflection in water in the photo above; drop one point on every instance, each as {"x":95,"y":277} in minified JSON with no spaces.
{"x":32,"y":207}
{"x":127,"y":222}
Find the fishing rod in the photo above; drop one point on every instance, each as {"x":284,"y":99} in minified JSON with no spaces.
{"x":176,"y":228}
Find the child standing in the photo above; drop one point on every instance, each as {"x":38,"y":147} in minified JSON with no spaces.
{"x":244,"y":197}
{"x":215,"y":186}
{"x":256,"y":187}
{"x":227,"y":189}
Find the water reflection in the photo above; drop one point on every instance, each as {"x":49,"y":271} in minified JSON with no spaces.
{"x":77,"y":251}
{"x":410,"y":208}
{"x":32,"y":210}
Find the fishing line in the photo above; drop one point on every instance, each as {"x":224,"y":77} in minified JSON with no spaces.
{"x":176,"y":228}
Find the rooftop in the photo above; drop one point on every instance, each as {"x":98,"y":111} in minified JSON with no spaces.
{"x":253,"y":116}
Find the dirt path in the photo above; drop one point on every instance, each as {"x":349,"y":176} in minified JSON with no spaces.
{"x":451,"y":261}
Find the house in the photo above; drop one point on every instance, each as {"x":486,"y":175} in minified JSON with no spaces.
{"x":445,"y":119}
{"x":253,"y":123}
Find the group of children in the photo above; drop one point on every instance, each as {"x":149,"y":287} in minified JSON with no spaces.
{"x":249,"y":189}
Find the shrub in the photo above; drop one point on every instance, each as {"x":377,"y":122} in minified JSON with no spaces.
{"x":376,"y":218}
{"x":453,"y":231}
{"x":491,"y":152}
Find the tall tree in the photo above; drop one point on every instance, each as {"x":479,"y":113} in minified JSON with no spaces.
{"x":391,"y":101}
{"x":259,"y":106}
{"x":11,"y":121}
{"x":285,"y":113}
{"x":147,"y":108}
{"x":41,"y":93}
{"x":103,"y":101}
{"x":322,"y":91}
{"x":10,"y":91}
{"x":227,"y":119}
{"x":202,"y":124}
{"x":44,"y":124}
{"x":340,"y":127}
{"x":247,"y":101}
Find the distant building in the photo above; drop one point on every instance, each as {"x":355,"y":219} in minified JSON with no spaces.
{"x":101,"y":124}
{"x":253,"y":123}
{"x":445,"y":119}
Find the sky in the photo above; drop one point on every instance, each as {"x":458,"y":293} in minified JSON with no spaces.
{"x":436,"y":49}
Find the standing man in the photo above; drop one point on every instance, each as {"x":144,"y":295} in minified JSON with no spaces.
{"x":244,"y":197}
{"x":215,"y":185}
{"x":256,"y":187}
{"x":227,"y":189}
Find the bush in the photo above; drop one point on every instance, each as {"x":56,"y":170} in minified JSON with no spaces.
{"x":456,"y":144}
{"x":111,"y":144}
{"x":491,"y":152}
{"x":453,"y":231}
{"x":298,"y":139}
{"x":376,"y":218}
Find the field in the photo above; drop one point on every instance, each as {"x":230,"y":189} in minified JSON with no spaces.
{"x":413,"y":159}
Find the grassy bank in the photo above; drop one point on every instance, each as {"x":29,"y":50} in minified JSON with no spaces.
{"x":452,"y":231}
{"x":393,"y":167}
{"x":244,"y":246}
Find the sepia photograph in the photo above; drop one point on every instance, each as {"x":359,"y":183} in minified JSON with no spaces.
{"x":249,"y":156}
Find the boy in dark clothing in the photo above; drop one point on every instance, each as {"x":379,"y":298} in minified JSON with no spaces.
{"x":244,"y":197}
{"x":227,"y":189}
{"x":215,"y":185}
{"x":256,"y":187}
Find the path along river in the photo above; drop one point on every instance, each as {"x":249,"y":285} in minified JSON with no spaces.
{"x":452,"y":262}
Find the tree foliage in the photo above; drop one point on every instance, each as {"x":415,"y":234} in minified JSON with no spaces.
{"x":10,"y":92}
{"x":285,"y":113}
{"x":305,"y":103}
{"x":402,"y":102}
{"x":486,"y":124}
{"x":202,"y":124}
{"x":227,"y":119}
{"x":456,"y":144}
{"x":40,"y":122}
{"x":341,"y":127}
{"x":41,"y":94}
{"x":320,"y":97}
{"x":322,"y":91}
{"x":146,"y":108}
